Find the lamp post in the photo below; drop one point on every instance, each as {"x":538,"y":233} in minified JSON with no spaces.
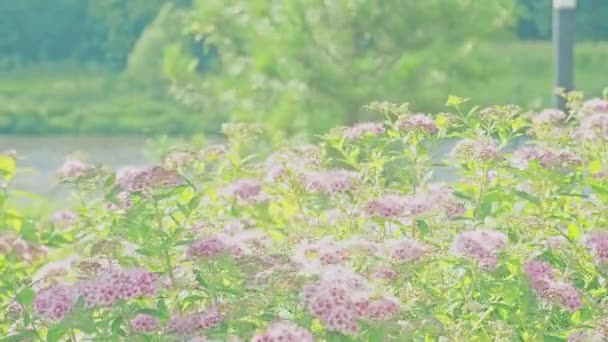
{"x":563,"y":47}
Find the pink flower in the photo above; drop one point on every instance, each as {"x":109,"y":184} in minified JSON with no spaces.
{"x":363,"y":129}
{"x":331,"y":181}
{"x":339,"y":299}
{"x":73,"y":169}
{"x":594,"y":126}
{"x":383,"y":308}
{"x":245,"y":190}
{"x":386,"y":206}
{"x":341,"y":319}
{"x":185,"y":325}
{"x":178,"y":159}
{"x":134,"y":179}
{"x":479,"y":150}
{"x":143,"y":323}
{"x":207,"y":248}
{"x":124,"y":203}
{"x":417,"y":122}
{"x":56,"y":302}
{"x":596,"y":105}
{"x":542,"y":277}
{"x":111,"y":285}
{"x":284,"y":332}
{"x":545,"y":158}
{"x":481,"y":245}
{"x":549,"y":116}
{"x":326,"y":252}
{"x":385,"y":273}
{"x":406,"y":250}
{"x":597,"y":243}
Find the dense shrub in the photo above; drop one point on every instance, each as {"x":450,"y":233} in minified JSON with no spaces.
{"x":360,"y":237}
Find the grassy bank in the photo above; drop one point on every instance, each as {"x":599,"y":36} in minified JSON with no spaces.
{"x":68,"y":99}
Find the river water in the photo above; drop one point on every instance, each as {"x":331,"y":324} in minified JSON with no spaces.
{"x":40,"y":157}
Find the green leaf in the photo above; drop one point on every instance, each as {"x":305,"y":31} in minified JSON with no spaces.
{"x":423,"y":226}
{"x":23,"y":336}
{"x":116,"y":326}
{"x":574,"y":232}
{"x":26,"y":296}
{"x":595,"y":166}
{"x":55,"y":333}
{"x":7,"y":166}
{"x":455,"y":101}
{"x":528,"y":197}
{"x":163,"y":312}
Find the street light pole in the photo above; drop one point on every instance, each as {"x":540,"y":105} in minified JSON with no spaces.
{"x":563,"y":48}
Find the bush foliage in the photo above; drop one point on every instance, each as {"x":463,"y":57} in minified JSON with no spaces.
{"x":359,"y":237}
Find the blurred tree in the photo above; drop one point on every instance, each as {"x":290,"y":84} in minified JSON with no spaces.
{"x":83,"y":30}
{"x":535,"y":20}
{"x":307,"y":64}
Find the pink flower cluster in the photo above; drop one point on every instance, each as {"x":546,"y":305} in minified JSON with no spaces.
{"x":12,"y":244}
{"x":385,"y":273}
{"x":437,"y":198}
{"x":330,"y":182}
{"x":388,"y":206}
{"x":481,"y":245}
{"x":542,"y":276}
{"x":545,"y":158}
{"x":112,"y":285}
{"x":56,"y":302}
{"x":123,"y":203}
{"x":597,"y":243}
{"x":406,"y":250}
{"x":325,"y":252}
{"x":341,"y":298}
{"x":479,"y":150}
{"x":104,"y":290}
{"x":186,"y":325}
{"x":549,"y":116}
{"x":235,"y":241}
{"x":592,"y":127}
{"x":207,"y":248}
{"x":417,"y":122}
{"x":178,"y":159}
{"x":284,"y":332}
{"x":143,"y":323}
{"x":73,"y":169}
{"x":294,"y":160}
{"x":245,"y":190}
{"x":596,"y":105}
{"x":363,"y":129}
{"x":134,"y":179}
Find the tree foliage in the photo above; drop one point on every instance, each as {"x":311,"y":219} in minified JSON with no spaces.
{"x":84,"y":30}
{"x":328,"y":58}
{"x":535,"y":21}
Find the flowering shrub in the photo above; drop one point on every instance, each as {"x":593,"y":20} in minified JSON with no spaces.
{"x":361,"y":237}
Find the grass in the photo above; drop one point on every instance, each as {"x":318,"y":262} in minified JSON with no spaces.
{"x":80,"y":100}
{"x":522,"y":72}
{"x":55,"y":99}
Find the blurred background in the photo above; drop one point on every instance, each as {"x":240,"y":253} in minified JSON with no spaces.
{"x":100,"y":77}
